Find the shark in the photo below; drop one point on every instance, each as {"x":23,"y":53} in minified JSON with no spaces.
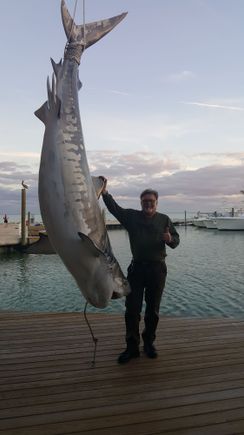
{"x":68,"y":194}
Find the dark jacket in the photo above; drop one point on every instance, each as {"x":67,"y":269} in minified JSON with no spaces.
{"x":145,"y":233}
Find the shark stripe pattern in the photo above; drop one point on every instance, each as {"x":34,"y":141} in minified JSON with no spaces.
{"x":68,"y":194}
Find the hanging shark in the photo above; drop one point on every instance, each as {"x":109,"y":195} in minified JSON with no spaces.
{"x":68,"y":194}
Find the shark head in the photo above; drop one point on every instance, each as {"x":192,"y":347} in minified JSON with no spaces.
{"x":98,"y":275}
{"x":108,"y":282}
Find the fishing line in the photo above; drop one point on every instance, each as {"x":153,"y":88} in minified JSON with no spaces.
{"x":73,"y":22}
{"x":84,"y":23}
{"x":95,"y":340}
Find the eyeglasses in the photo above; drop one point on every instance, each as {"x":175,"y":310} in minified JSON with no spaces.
{"x":152,"y":201}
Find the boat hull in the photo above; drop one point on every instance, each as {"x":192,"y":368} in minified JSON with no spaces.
{"x":230,"y":223}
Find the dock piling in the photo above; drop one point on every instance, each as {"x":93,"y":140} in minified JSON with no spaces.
{"x":23,"y":217}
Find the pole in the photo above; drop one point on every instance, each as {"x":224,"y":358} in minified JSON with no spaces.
{"x":28,"y":222}
{"x":23,"y":217}
{"x":84,"y":24}
{"x":185,"y":218}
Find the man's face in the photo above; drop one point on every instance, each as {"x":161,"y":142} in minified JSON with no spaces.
{"x":149,"y":204}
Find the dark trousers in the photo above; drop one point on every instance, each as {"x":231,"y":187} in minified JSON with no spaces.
{"x":148,"y":277}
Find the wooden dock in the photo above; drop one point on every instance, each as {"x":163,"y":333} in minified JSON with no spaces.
{"x":47,"y":385}
{"x":10,"y":237}
{"x":9,"y":234}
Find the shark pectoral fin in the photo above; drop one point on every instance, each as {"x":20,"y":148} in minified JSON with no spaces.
{"x":42,"y":113}
{"x":90,"y":244}
{"x":98,"y":183}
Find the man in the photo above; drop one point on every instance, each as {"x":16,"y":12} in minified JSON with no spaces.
{"x":149,"y":232}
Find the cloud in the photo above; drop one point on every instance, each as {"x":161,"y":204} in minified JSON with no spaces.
{"x":213,"y":106}
{"x":11,"y":175}
{"x":202,"y":160}
{"x":22,"y":154}
{"x":205,"y":189}
{"x":179,"y":188}
{"x":134,"y":132}
{"x":129,"y":173}
{"x":113,"y":91}
{"x":6,"y":167}
{"x":180,"y":76}
{"x":208,"y":181}
{"x":110,"y":91}
{"x":131,"y":165}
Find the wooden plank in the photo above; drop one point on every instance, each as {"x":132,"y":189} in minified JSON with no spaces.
{"x":170,"y":418}
{"x":122,"y":403}
{"x":105,"y":366}
{"x":9,"y":234}
{"x":42,"y":396}
{"x":48,"y":386}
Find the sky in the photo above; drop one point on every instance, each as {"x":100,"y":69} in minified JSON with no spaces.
{"x":162,"y":101}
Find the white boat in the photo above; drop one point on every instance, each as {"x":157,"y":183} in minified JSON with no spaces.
{"x":210,"y":223}
{"x":199,"y":222}
{"x":230,"y":223}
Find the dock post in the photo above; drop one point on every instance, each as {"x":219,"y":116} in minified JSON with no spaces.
{"x":28,"y":220}
{"x":23,"y":217}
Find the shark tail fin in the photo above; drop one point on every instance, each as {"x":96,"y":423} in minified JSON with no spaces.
{"x":91,"y":32}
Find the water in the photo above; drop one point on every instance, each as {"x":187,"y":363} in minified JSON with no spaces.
{"x":205,"y":277}
{"x":36,"y":218}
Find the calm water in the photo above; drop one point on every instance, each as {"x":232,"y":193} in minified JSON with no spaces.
{"x":205,"y":277}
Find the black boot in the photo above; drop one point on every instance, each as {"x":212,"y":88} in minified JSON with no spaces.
{"x":150,"y":350}
{"x":128,"y":354}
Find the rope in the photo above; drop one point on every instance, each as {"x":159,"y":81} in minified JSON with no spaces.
{"x":84,"y":24}
{"x":73,"y":21}
{"x":95,"y":340}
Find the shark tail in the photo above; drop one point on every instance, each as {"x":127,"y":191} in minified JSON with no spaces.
{"x":90,"y":33}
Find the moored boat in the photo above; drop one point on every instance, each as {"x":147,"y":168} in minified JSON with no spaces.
{"x":230,"y":223}
{"x":199,"y":222}
{"x":210,"y":223}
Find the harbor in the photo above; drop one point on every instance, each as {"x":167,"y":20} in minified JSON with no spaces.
{"x":198,"y":281}
{"x":232,"y":220}
{"x":35,"y":238}
{"x":158,"y":125}
{"x":48,"y":386}
{"x":11,"y":236}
